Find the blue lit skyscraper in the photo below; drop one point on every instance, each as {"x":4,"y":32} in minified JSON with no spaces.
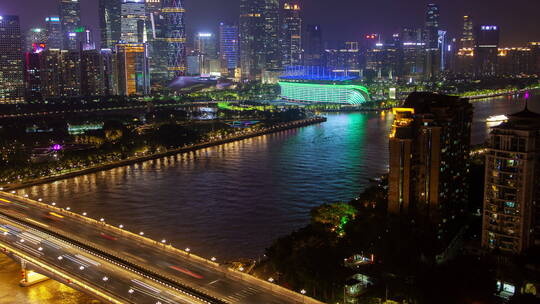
{"x":174,"y":32}
{"x":228,"y":45}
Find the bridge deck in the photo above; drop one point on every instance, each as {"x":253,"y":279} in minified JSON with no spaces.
{"x":153,"y":259}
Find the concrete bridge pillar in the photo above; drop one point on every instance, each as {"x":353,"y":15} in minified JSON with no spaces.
{"x":30,"y":277}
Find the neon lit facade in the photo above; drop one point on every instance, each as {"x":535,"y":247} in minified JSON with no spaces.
{"x":174,"y":28}
{"x":324,"y":93}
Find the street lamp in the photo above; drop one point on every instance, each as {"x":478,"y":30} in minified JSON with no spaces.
{"x":121,"y":226}
{"x":141,"y":233}
{"x":54,"y":204}
{"x":102,"y":220}
{"x":84,"y":213}
{"x":81,"y":268}
{"x":68,"y":208}
{"x":213,"y":259}
{"x":105,"y":279}
{"x":271,"y":280}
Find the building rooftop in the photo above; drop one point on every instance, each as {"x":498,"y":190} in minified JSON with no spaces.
{"x":523,"y":120}
{"x":424,"y":102}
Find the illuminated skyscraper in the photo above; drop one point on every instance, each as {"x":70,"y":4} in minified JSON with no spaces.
{"x":11,"y":64}
{"x":252,"y":32}
{"x":53,"y":29}
{"x":206,"y":44}
{"x":228,"y":45}
{"x":432,"y":26}
{"x":511,"y":219}
{"x":133,"y":21}
{"x":467,"y":37}
{"x":60,"y":73}
{"x":431,"y":39}
{"x":70,"y":17}
{"x":132,"y":70}
{"x":259,"y":37}
{"x":429,"y":153}
{"x":486,"y":49}
{"x":153,"y":11}
{"x":32,"y":76}
{"x":92,"y":73}
{"x":110,"y":21}
{"x":174,"y":34}
{"x":35,"y":35}
{"x":290,"y":33}
{"x":272,"y":52}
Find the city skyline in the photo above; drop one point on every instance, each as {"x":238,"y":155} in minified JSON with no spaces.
{"x":348,"y":21}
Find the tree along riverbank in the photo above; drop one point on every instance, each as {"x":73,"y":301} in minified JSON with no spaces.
{"x":64,"y":174}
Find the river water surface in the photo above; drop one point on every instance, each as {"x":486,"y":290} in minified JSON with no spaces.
{"x":231,"y":201}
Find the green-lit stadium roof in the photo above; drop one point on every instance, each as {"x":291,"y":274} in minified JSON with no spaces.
{"x":307,"y":92}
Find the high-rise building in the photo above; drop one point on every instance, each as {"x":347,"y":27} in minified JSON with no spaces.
{"x":32,"y":76}
{"x":53,"y":29}
{"x":431,"y":29}
{"x":206,"y":44}
{"x":413,"y":53}
{"x":133,"y":21}
{"x":174,"y":34}
{"x":486,"y":49}
{"x":35,"y":35}
{"x":51,"y":73}
{"x":110,"y":22}
{"x":467,"y":36}
{"x":259,"y":37}
{"x":290,"y":33}
{"x":431,"y":39}
{"x":252,"y":38}
{"x":229,"y":45}
{"x":92,"y":73}
{"x":429,"y":153}
{"x":312,"y":45}
{"x":11,"y":63}
{"x":515,"y":61}
{"x":70,"y":17}
{"x":535,"y":54}
{"x":271,"y":44}
{"x":132,"y":69}
{"x":60,"y":73}
{"x":511,"y":219}
{"x":109,"y":80}
{"x":345,"y":59}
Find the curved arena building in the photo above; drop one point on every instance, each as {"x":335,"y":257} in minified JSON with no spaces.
{"x":317,"y":85}
{"x":309,"y":92}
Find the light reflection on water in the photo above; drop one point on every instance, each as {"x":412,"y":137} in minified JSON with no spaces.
{"x":231,"y":201}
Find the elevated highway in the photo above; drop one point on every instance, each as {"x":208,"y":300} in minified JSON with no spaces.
{"x":119,"y":266}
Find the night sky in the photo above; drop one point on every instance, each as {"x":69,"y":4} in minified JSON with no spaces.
{"x":340,"y":19}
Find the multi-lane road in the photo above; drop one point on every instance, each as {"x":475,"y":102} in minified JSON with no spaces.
{"x":107,"y":279}
{"x":137,"y":269}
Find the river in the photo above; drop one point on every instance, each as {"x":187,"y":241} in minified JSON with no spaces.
{"x":231,"y":201}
